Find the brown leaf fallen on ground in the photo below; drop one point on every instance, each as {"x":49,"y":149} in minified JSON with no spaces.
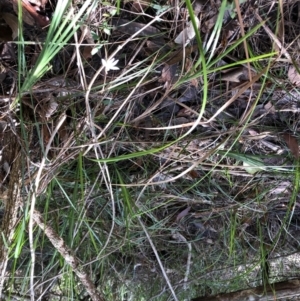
{"x":87,"y":52}
{"x":31,"y":13}
{"x":180,"y":54}
{"x":87,"y":49}
{"x":236,"y":75}
{"x":168,"y":74}
{"x":7,"y":52}
{"x":270,"y":107}
{"x":189,"y":64}
{"x":292,"y":143}
{"x":194,"y":174}
{"x":188,"y":33}
{"x":12,"y":22}
{"x":182,"y":214}
{"x":294,"y":76}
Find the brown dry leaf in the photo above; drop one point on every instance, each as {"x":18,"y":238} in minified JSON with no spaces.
{"x":168,"y":74}
{"x":47,"y":107}
{"x":182,"y":214}
{"x":178,"y":55}
{"x":292,"y":143}
{"x":187,"y":34}
{"x":280,"y":33}
{"x":209,"y":24}
{"x":236,"y":75}
{"x":270,"y":108}
{"x":64,"y":132}
{"x":46,"y":134}
{"x":179,"y":121}
{"x":194,"y":174}
{"x":27,"y":18}
{"x":294,"y":76}
{"x":188,"y":66}
{"x":152,"y":46}
{"x":12,"y":22}
{"x":50,"y":107}
{"x":228,"y":30}
{"x":88,"y":37}
{"x":7,"y":52}
{"x":87,"y":52}
{"x":31,"y":13}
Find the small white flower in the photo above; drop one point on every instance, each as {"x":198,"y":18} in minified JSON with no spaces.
{"x":110,"y":64}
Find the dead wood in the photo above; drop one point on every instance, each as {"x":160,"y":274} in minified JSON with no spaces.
{"x":274,"y":291}
{"x":13,"y":202}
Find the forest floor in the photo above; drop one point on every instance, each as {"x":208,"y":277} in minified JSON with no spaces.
{"x":150,"y":149}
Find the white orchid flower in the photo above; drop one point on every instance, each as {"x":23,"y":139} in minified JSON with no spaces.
{"x":110,"y":64}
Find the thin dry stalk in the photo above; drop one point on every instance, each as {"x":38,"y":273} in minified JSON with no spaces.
{"x":158,"y":259}
{"x":274,"y":38}
{"x":33,"y":201}
{"x":66,"y":253}
{"x":237,"y":5}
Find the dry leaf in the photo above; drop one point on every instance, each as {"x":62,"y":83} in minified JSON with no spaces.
{"x":280,"y":32}
{"x":294,"y":76}
{"x":31,"y":13}
{"x":64,"y":132}
{"x":87,"y":52}
{"x":27,"y":18}
{"x":252,"y":132}
{"x":194,"y":174}
{"x":188,"y":67}
{"x":209,"y":24}
{"x":270,"y":108}
{"x":188,"y":33}
{"x":236,"y":75}
{"x":182,"y":214}
{"x":282,"y":187}
{"x":47,"y":107}
{"x":178,"y":55}
{"x":7,"y":52}
{"x":88,"y":37}
{"x":168,"y":74}
{"x":179,"y":121}
{"x":12,"y":22}
{"x":292,"y":143}
{"x":46,"y":134}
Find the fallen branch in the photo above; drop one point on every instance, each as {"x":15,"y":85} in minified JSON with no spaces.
{"x":273,"y":292}
{"x":66,"y":253}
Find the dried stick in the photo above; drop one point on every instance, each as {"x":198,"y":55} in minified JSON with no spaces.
{"x":66,"y":253}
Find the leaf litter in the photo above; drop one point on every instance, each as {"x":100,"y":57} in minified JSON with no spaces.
{"x":146,"y":90}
